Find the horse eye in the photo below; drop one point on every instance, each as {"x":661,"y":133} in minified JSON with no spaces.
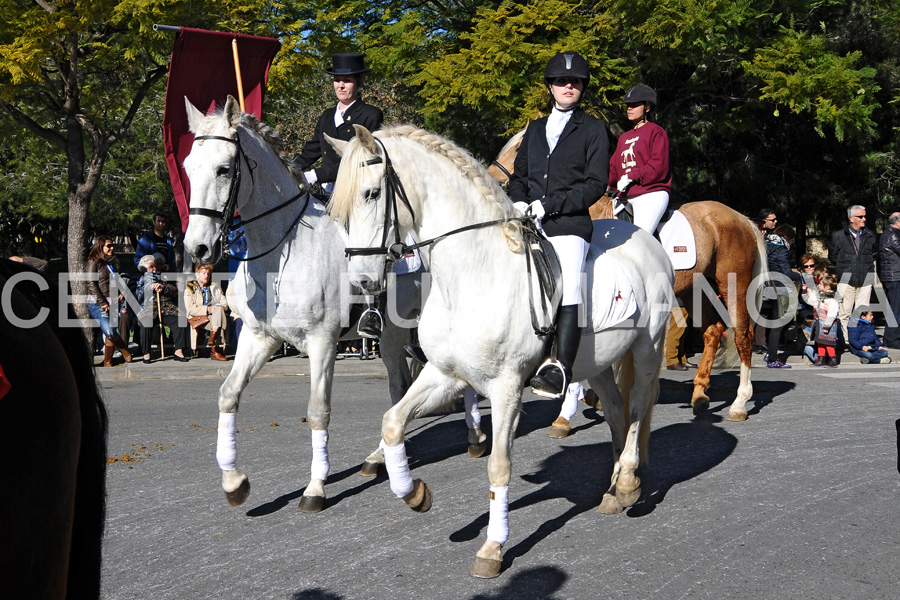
{"x":374,"y":193}
{"x":222,"y":171}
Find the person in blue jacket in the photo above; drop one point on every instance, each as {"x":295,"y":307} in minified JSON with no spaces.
{"x":864,"y":342}
{"x":778,"y":296}
{"x":156,"y":241}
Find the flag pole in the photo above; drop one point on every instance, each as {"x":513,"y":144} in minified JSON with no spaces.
{"x":237,"y":72}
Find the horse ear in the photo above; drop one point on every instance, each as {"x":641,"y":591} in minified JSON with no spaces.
{"x":232,"y":111}
{"x":365,"y":138}
{"x":194,"y":116}
{"x":338,"y":145}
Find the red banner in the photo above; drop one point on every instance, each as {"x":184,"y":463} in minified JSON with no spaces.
{"x":202,"y":69}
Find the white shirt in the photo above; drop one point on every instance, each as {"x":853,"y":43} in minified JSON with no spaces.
{"x":339,"y":114}
{"x":556,"y":122}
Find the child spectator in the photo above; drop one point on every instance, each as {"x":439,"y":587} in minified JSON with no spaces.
{"x":864,"y":342}
{"x":827,"y":327}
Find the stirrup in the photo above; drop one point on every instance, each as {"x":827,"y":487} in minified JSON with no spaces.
{"x":370,"y":325}
{"x":539,"y":384}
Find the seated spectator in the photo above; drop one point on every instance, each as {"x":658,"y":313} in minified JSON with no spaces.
{"x":864,"y":342}
{"x":827,"y":327}
{"x":807,"y":337}
{"x":204,"y":298}
{"x":161,"y":307}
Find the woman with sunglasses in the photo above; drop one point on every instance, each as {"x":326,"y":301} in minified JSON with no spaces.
{"x":561,"y":169}
{"x":640,"y":164}
{"x":102,"y":268}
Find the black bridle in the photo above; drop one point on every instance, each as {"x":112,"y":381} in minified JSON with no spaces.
{"x":226,"y":215}
{"x":505,"y":184}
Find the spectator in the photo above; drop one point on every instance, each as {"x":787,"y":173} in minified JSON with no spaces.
{"x":37,"y":264}
{"x":807,"y":337}
{"x":156,"y":241}
{"x":778,"y":296}
{"x":827,"y":326}
{"x":769,"y":221}
{"x":864,"y":342}
{"x":852,"y":252}
{"x":889,"y":274}
{"x":160,"y":306}
{"x":101,"y":269}
{"x":204,"y":298}
{"x":675,"y":357}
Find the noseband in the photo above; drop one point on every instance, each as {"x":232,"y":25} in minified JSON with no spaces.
{"x":226,"y":215}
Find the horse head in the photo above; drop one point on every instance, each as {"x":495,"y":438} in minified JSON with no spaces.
{"x":212,"y":168}
{"x":361,"y":202}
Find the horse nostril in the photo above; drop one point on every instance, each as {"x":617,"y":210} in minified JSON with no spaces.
{"x":202,"y":251}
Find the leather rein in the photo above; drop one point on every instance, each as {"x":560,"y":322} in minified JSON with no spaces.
{"x":226,"y":215}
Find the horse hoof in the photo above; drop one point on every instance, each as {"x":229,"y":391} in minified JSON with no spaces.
{"x":419,"y":499}
{"x":239,"y":496}
{"x":610,"y":506}
{"x":700,"y":406}
{"x":311,"y":504}
{"x":370,"y":469}
{"x":627,"y":499}
{"x":736,"y":415}
{"x":560,"y":429}
{"x":592,"y":399}
{"x":486,"y":568}
{"x":477,"y":450}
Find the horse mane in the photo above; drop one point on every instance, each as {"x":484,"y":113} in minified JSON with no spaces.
{"x":347,"y":187}
{"x":268,"y":135}
{"x":514,"y":140}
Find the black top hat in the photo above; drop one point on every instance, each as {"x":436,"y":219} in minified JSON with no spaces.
{"x":347,"y":64}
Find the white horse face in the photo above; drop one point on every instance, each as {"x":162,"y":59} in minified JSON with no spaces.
{"x":210,"y":169}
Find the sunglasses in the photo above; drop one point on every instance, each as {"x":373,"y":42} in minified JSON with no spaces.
{"x":109,"y":246}
{"x":809,"y":266}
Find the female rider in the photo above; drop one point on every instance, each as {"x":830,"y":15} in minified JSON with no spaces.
{"x":640,"y":164}
{"x":101,"y":268}
{"x":560,"y":170}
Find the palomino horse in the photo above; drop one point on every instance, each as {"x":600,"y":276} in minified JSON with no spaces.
{"x":291,"y":289}
{"x":53,"y":447}
{"x":731,"y":257}
{"x":476,"y":325}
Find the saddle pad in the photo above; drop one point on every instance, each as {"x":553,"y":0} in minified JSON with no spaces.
{"x":612,"y":296}
{"x":677,"y":238}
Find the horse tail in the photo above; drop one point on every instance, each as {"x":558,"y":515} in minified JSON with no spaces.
{"x":89,"y":515}
{"x":624,"y":373}
{"x":727,"y":355}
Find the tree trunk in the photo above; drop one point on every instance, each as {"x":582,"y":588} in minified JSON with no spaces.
{"x":79,"y":202}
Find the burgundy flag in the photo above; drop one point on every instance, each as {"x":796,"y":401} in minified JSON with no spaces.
{"x":202,"y":68}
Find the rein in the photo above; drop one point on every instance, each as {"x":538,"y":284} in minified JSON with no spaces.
{"x":505,"y":184}
{"x":226,"y":215}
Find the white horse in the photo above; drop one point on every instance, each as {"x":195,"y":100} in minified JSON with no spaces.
{"x":476,"y":326}
{"x":292,"y":292}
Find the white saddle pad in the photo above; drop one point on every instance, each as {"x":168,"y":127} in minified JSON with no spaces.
{"x":677,"y":238}
{"x":612,"y":295}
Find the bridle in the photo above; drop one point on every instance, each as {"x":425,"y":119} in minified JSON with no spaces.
{"x":226,"y":215}
{"x":505,"y":184}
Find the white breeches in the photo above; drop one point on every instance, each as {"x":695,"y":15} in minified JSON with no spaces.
{"x":649,"y":209}
{"x":572,"y":251}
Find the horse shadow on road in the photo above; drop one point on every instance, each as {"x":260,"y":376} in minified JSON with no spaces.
{"x":721,"y":391}
{"x":580,"y":474}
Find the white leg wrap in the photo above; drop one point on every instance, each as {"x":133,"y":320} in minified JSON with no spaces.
{"x":473,"y":414}
{"x":498,"y":521}
{"x":397,"y":466}
{"x":574,"y":393}
{"x":320,"y":463}
{"x":226,"y":442}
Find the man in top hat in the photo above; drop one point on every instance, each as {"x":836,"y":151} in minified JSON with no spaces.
{"x":346,"y":72}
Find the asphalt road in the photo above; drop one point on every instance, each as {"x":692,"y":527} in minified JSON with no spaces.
{"x":800,"y":501}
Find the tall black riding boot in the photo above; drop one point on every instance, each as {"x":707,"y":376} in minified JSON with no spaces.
{"x":551,"y":382}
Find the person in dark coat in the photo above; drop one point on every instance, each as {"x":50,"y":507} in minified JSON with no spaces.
{"x":561,"y":169}
{"x":346,"y":73}
{"x":889,"y":274}
{"x":852,"y":252}
{"x":780,"y":295}
{"x":864,"y":342}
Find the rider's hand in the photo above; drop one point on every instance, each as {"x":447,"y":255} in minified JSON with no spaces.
{"x":537,"y":209}
{"x":623,"y":184}
{"x":520,"y":207}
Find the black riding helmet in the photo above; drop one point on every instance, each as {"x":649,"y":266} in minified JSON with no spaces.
{"x":641,"y":93}
{"x":567,"y":64}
